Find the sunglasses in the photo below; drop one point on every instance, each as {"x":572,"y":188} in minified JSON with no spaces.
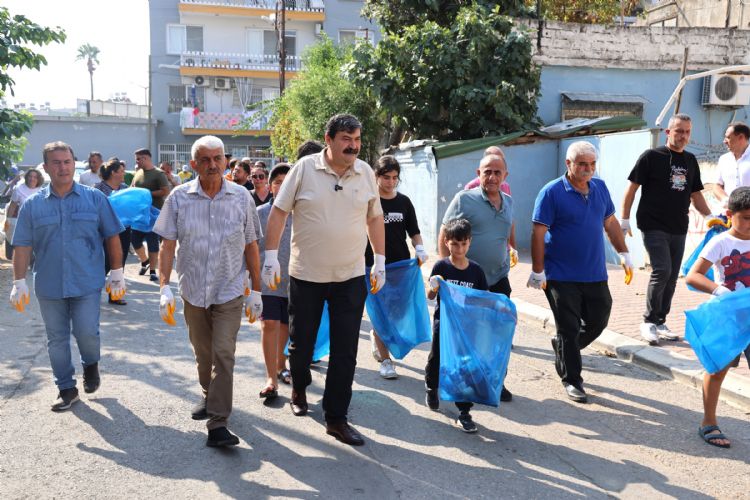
{"x":258,"y":176}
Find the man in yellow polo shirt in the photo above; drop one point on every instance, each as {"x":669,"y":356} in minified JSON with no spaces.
{"x":334,"y":199}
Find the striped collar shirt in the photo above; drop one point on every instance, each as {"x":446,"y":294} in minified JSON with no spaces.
{"x":211,"y":235}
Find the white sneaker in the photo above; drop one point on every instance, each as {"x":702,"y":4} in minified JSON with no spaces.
{"x":374,"y":347}
{"x":664,"y":332}
{"x":387,"y":370}
{"x":648,"y":332}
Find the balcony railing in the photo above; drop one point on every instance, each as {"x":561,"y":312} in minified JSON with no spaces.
{"x":298,"y":5}
{"x":249,"y":62}
{"x":222,"y":121}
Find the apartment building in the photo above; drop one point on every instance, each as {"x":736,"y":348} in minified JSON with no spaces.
{"x":213,"y":59}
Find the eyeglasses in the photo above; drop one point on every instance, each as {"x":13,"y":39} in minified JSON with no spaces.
{"x":258,"y":176}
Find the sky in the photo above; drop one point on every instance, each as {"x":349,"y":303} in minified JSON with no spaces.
{"x":120,"y":29}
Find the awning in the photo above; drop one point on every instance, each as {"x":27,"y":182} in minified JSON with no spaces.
{"x":597,"y":97}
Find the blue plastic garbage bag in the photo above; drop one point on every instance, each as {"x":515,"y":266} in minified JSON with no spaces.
{"x":719,"y":330}
{"x":476,"y":332}
{"x":133,"y":207}
{"x":694,"y":256}
{"x":323,"y":341}
{"x":398,"y":312}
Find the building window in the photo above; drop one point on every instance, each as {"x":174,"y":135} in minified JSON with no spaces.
{"x":270,"y":45}
{"x":351,"y":36}
{"x":182,"y":96}
{"x":582,"y":105}
{"x":181,"y":38}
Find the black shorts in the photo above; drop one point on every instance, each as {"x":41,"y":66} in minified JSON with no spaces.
{"x":152,"y":240}
{"x":275,"y":309}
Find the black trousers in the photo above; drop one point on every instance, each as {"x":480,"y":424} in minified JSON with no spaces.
{"x":581,"y":312}
{"x":346,"y":303}
{"x":432,"y":370}
{"x":665,"y":253}
{"x":124,"y":243}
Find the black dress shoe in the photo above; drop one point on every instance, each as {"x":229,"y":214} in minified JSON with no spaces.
{"x":221,"y":437}
{"x":199,"y":410}
{"x":577,"y":394}
{"x":345,"y":433}
{"x":91,"y":378}
{"x":506,"y":395}
{"x":298,"y":403}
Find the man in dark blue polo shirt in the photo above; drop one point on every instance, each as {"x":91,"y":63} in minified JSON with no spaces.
{"x":63,"y":225}
{"x":490,"y":213}
{"x":568,"y":263}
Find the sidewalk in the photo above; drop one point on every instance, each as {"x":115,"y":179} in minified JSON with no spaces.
{"x":622,"y":338}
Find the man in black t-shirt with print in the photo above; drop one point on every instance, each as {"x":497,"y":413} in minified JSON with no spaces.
{"x":671,"y":180}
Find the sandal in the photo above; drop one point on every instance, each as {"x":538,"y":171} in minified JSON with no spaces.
{"x":705,"y":434}
{"x":285,"y":376}
{"x":269,"y":392}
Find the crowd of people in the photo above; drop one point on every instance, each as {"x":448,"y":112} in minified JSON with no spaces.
{"x":280,"y":246}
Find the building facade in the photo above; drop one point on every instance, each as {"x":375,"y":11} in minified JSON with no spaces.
{"x":214,"y":61}
{"x":697,"y":13}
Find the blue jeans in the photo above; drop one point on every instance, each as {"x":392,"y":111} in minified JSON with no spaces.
{"x":79,"y":315}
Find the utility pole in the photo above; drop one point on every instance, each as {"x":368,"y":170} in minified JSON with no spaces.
{"x":281,"y":37}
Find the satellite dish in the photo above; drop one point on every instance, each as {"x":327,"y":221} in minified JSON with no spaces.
{"x":199,"y":80}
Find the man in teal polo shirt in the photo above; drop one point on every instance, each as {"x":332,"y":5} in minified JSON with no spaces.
{"x":64,"y":225}
{"x":568,"y":263}
{"x":490,"y":212}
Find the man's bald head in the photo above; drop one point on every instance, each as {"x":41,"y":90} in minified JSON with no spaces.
{"x":494,"y":150}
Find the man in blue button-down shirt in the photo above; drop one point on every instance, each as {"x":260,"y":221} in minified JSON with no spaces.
{"x":64,"y":225}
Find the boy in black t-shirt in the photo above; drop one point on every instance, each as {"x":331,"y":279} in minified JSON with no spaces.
{"x":457,"y":269}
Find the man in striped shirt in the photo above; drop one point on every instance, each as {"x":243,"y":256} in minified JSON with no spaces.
{"x":217,"y":226}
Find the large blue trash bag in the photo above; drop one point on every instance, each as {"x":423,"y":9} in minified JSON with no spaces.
{"x":398,"y":312}
{"x":688,"y":264}
{"x":719,"y":330}
{"x":476,"y":332}
{"x":133,"y":207}
{"x":323,"y":341}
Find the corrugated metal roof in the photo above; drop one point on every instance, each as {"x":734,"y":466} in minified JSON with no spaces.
{"x":558,"y":131}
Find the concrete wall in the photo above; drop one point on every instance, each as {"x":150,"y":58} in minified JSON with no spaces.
{"x":709,"y":123}
{"x":613,"y":47}
{"x":110,"y":136}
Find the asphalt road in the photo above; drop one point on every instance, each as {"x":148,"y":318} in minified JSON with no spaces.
{"x":134,"y":437}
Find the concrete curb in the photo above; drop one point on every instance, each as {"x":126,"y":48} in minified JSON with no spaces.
{"x":735,"y":389}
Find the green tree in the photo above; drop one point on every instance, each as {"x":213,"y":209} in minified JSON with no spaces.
{"x":16,"y":34}
{"x":459,"y":78}
{"x":586,"y":11}
{"x":90,"y":54}
{"x":320,"y":91}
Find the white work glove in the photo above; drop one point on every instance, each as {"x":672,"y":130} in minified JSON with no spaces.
{"x":247,"y":283}
{"x":271,"y":273}
{"x":19,"y":295}
{"x":537,"y":280}
{"x":627,"y":264}
{"x":377,"y":274}
{"x":720,"y":290}
{"x":513,"y":254}
{"x":421,"y":254}
{"x":625,"y":226}
{"x":253,"y":306}
{"x":435,"y":283}
{"x":115,"y":284}
{"x":167,"y":306}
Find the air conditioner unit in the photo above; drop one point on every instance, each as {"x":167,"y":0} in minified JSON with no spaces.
{"x":222,"y":83}
{"x":200,"y":81}
{"x":726,"y":90}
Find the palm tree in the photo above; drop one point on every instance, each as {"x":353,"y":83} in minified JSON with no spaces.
{"x":90,"y":54}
